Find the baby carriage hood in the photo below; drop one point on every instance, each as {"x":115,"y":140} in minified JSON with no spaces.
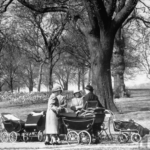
{"x":11,"y":122}
{"x":35,"y":121}
{"x":8,"y":116}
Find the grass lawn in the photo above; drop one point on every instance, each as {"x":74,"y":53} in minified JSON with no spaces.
{"x":137,"y":108}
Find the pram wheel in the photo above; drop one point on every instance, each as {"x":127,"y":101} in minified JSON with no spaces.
{"x":40,"y":136}
{"x":13,"y":136}
{"x":135,"y":137}
{"x":84,"y":137}
{"x":72,"y":137}
{"x":4,"y":137}
{"x":25,"y":137}
{"x":122,"y":138}
{"x":128,"y":136}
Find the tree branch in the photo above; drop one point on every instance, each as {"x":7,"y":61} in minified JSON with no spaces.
{"x":101,"y":13}
{"x":135,"y":17}
{"x":111,"y":6}
{"x":62,"y":8}
{"x":123,"y":14}
{"x":5,"y":6}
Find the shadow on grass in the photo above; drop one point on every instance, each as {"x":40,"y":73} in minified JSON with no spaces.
{"x":145,"y":109}
{"x":136,"y":110}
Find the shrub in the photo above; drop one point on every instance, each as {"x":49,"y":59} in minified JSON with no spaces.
{"x":24,"y":98}
{"x":29,"y":98}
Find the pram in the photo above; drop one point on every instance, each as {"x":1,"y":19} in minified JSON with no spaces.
{"x":83,"y":128}
{"x":35,"y":126}
{"x":12,"y":127}
{"x":128,"y":130}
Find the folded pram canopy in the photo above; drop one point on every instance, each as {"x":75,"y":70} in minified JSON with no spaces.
{"x":11,"y":122}
{"x":8,"y":116}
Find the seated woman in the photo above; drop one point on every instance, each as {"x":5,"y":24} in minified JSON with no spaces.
{"x":77,"y":101}
{"x":90,"y":96}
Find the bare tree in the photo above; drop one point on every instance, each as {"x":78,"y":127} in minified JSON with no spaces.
{"x":50,"y":27}
{"x":65,"y":72}
{"x":144,"y":52}
{"x":137,"y":18}
{"x":10,"y":63}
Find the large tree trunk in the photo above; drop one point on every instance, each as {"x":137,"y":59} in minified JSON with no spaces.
{"x":105,"y":18}
{"x":65,"y":85}
{"x":30,"y":79}
{"x":40,"y":77}
{"x":119,"y":65}
{"x":50,"y":66}
{"x":18,"y":89}
{"x":30,"y":84}
{"x":119,"y":86}
{"x":11,"y":84}
{"x":101,"y":73}
{"x":83,"y":85}
{"x":0,"y":86}
{"x":50,"y":76}
{"x":89,"y":76}
{"x":79,"y":78}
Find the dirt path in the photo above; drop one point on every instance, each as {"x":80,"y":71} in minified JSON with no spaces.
{"x":41,"y":146}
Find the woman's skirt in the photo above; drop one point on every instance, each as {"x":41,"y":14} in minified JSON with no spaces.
{"x":51,"y":126}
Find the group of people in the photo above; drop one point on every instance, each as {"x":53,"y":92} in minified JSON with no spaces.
{"x":57,"y":103}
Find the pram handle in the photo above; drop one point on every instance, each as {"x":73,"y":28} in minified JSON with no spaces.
{"x":109,"y":111}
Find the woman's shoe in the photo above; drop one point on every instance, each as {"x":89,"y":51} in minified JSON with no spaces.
{"x":47,"y":143}
{"x":55,"y":143}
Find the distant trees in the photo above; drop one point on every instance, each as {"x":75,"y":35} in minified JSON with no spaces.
{"x":40,"y":37}
{"x":144,"y":46}
{"x":65,"y":72}
{"x":125,"y":60}
{"x":16,"y":71}
{"x":10,"y":64}
{"x":75,"y":44}
{"x":2,"y":39}
{"x":125,"y":55}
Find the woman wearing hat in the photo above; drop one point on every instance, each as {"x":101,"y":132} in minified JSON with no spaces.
{"x":90,"y":96}
{"x":51,"y":126}
{"x":77,"y":101}
{"x":62,"y":101}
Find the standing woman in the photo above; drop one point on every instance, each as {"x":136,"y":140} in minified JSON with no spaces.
{"x":53,"y":108}
{"x":62,"y":101}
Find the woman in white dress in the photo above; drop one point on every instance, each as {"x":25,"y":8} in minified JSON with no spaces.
{"x":51,"y":126}
{"x":77,"y":101}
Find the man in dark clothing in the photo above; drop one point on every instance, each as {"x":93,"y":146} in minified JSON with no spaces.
{"x":90,"y":96}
